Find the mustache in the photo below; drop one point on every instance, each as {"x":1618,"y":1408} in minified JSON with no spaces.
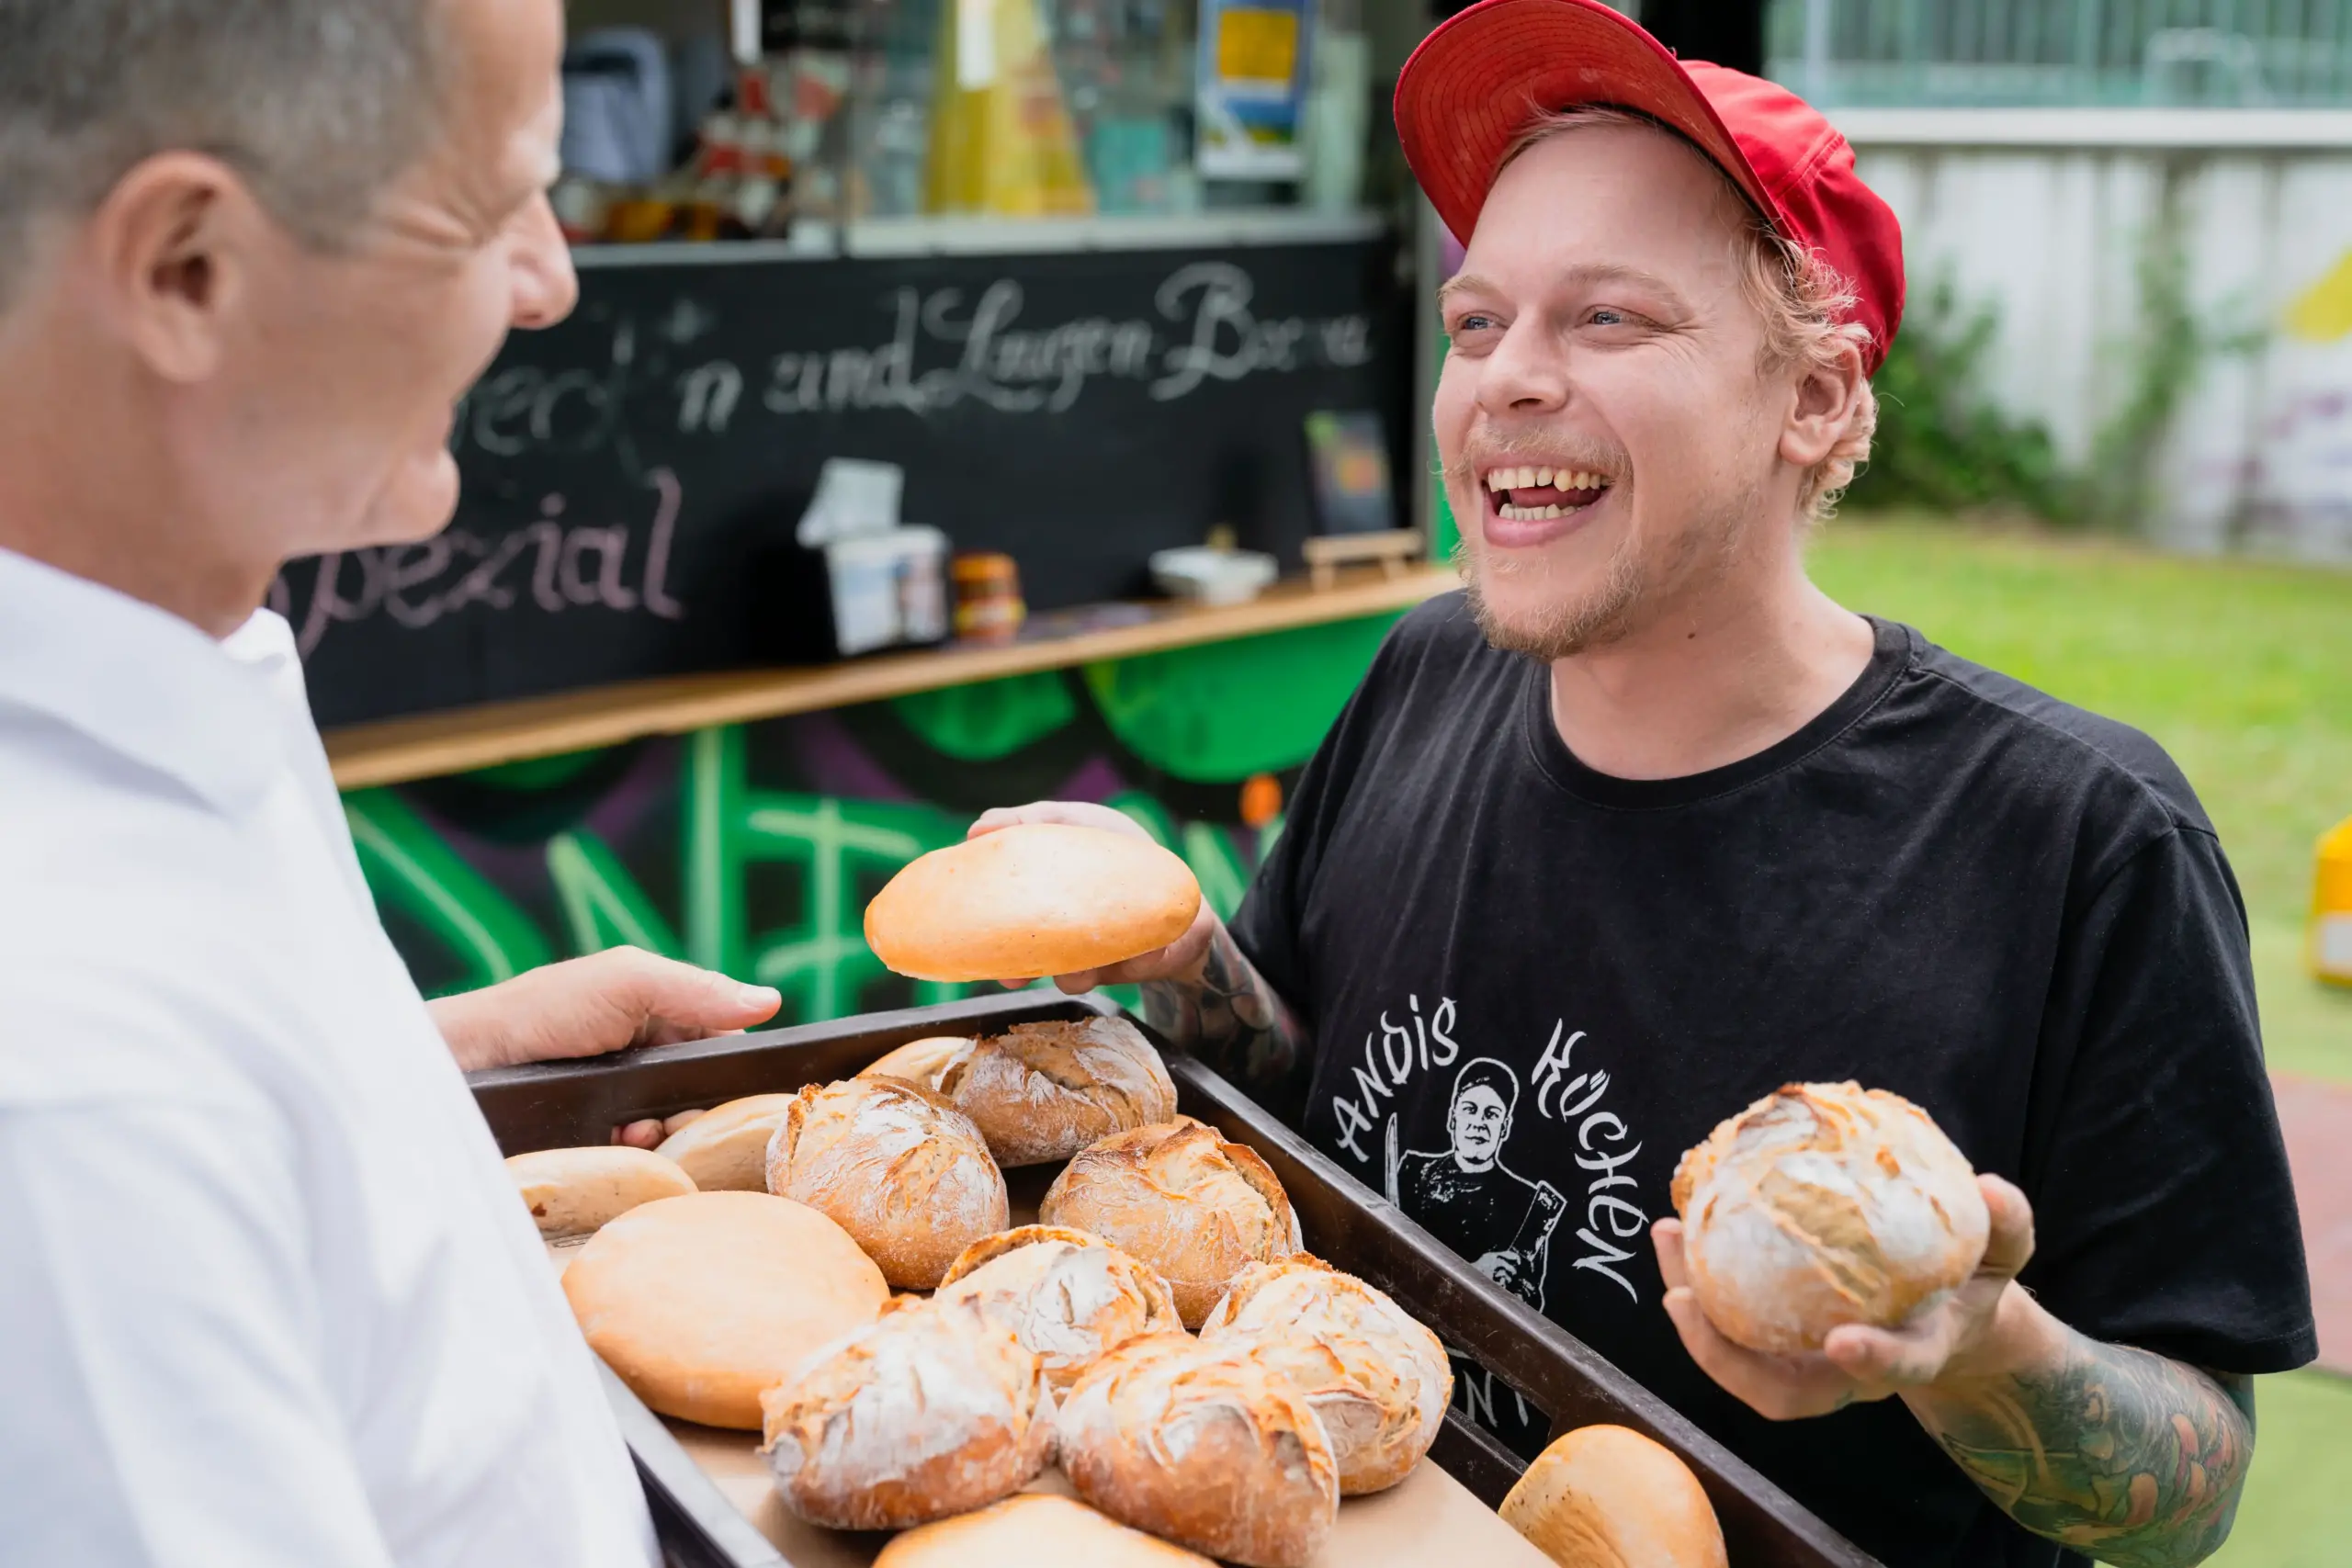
{"x":1489,"y":448}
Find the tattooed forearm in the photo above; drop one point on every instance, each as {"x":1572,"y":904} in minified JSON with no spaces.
{"x":1229,"y":1018}
{"x":2133,"y":1459}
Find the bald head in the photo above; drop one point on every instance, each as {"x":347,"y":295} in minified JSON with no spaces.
{"x":317,"y":103}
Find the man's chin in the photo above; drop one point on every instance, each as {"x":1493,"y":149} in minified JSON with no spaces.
{"x":417,"y":502}
{"x":1547,"y":609}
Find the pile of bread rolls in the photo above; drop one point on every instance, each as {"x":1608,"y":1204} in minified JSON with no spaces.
{"x":743,"y":1276}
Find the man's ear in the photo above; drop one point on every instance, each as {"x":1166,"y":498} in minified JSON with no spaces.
{"x":172,"y":253}
{"x":1828,"y":395}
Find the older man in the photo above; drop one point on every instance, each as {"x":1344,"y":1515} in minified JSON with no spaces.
{"x":1648,"y":819}
{"x":269,"y":1298}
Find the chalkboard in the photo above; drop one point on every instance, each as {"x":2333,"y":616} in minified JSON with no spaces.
{"x":624,"y":472}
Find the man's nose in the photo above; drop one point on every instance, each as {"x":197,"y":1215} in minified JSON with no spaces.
{"x":1527,"y":373}
{"x":546,"y":287}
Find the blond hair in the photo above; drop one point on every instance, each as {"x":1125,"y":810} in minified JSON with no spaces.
{"x":1799,"y":297}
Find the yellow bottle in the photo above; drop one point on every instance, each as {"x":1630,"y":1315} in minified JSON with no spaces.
{"x":2331,"y":939}
{"x":1000,"y":137}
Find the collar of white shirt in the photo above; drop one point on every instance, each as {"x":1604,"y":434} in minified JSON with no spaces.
{"x":144,"y":684}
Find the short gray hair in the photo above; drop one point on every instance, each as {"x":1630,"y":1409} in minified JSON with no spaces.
{"x":317,"y":103}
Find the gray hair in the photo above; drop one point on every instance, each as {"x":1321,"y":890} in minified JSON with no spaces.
{"x":317,"y":104}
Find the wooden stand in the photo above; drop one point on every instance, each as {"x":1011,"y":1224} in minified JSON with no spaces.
{"x":1392,"y":550}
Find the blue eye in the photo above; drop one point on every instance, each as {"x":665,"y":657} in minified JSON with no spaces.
{"x":1607,"y":317}
{"x":1474,"y":322}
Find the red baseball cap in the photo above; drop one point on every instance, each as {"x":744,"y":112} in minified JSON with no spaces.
{"x":1484,"y":74}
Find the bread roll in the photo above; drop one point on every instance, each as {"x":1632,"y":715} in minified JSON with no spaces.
{"x":1203,"y":1445}
{"x":1608,"y":1497}
{"x":933,"y":1410}
{"x":900,"y":1169}
{"x":1043,"y":1091}
{"x":701,"y":1301}
{"x":1824,"y":1204}
{"x":724,"y":1149}
{"x":1036,"y":1529}
{"x":924,"y":1062}
{"x":1379,"y":1379}
{"x":1037,"y":899}
{"x":1071,"y":1297}
{"x":1176,"y":1196}
{"x":573,"y":1192}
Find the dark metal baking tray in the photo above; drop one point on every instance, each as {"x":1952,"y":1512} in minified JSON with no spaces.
{"x":557,"y":1104}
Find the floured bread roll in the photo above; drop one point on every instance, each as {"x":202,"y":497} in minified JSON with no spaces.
{"x":574,"y":1191}
{"x":1043,"y":1091}
{"x":1608,"y":1497}
{"x":699,"y":1302}
{"x":1182,"y":1198}
{"x":1069,"y":1296}
{"x":934,"y":1410}
{"x":1379,"y":1380}
{"x":724,"y":1149}
{"x":1036,"y":1529}
{"x":900,"y":1169}
{"x":1039,"y":899}
{"x":1204,"y":1445}
{"x":1824,"y":1204}
{"x":924,"y":1061}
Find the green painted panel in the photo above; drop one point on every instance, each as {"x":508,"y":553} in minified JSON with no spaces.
{"x":991,"y":719}
{"x":1220,"y":712}
{"x":411,"y":867}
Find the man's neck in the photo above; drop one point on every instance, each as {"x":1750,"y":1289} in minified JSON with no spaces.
{"x":1724,"y":670}
{"x":80,"y":492}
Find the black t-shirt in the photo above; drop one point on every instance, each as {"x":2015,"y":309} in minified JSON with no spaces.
{"x":1531,"y":986}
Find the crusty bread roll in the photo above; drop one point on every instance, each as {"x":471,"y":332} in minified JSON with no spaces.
{"x":699,"y":1302}
{"x":1043,"y":1091}
{"x":1204,"y":1445}
{"x":1036,"y":1529}
{"x":934,"y":1409}
{"x":1378,"y":1378}
{"x":1824,"y":1204}
{"x":573,"y":1192}
{"x":1179,"y":1197}
{"x":902,"y":1170}
{"x":1071,"y":1297}
{"x":924,"y":1061}
{"x":724,"y":1149}
{"x":1037,"y":899}
{"x":1608,"y":1497}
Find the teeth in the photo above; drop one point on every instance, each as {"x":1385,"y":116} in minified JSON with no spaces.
{"x":1530,"y":514}
{"x":1542,"y":477}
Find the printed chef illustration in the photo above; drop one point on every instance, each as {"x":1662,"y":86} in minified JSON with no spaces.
{"x":1465,"y":1193}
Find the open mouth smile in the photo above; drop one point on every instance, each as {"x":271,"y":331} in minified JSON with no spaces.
{"x":1529,"y":504}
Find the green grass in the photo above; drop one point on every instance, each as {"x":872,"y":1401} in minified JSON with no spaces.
{"x":2297,"y":1512}
{"x":2242,"y":670}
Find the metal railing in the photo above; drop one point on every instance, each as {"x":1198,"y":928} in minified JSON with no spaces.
{"x":2206,"y":53}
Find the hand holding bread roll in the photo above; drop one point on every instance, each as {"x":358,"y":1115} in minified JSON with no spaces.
{"x":699,"y":1302}
{"x":900,"y":1169}
{"x":1378,"y":1378}
{"x":1203,"y":1445}
{"x":578,"y":1191}
{"x":1043,"y":1091}
{"x":1030,"y":900}
{"x":1824,"y":1204}
{"x":1068,"y":1296}
{"x":934,"y":1409}
{"x":1179,"y":1197}
{"x":1608,"y":1497}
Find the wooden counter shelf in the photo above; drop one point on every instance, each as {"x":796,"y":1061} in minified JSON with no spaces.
{"x":394,"y":750}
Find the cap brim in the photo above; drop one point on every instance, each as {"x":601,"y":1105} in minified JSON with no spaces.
{"x":1479,"y":79}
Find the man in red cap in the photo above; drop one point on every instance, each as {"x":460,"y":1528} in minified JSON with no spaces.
{"x":1650,"y":824}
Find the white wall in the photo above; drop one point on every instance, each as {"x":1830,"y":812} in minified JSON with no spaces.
{"x":2044,"y":213}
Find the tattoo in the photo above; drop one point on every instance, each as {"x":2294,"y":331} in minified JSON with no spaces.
{"x":1230,"y":1019}
{"x":2132,"y":1458}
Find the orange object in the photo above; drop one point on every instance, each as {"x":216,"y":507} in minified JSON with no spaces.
{"x":988,"y":606}
{"x":1261,"y":800}
{"x":2331,"y":931}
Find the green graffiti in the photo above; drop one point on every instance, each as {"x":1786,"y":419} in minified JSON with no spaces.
{"x":991,"y":719}
{"x":412,"y":868}
{"x":1220,"y":712}
{"x":603,"y":904}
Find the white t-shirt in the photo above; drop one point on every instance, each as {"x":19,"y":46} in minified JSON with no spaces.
{"x":266,"y":1296}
